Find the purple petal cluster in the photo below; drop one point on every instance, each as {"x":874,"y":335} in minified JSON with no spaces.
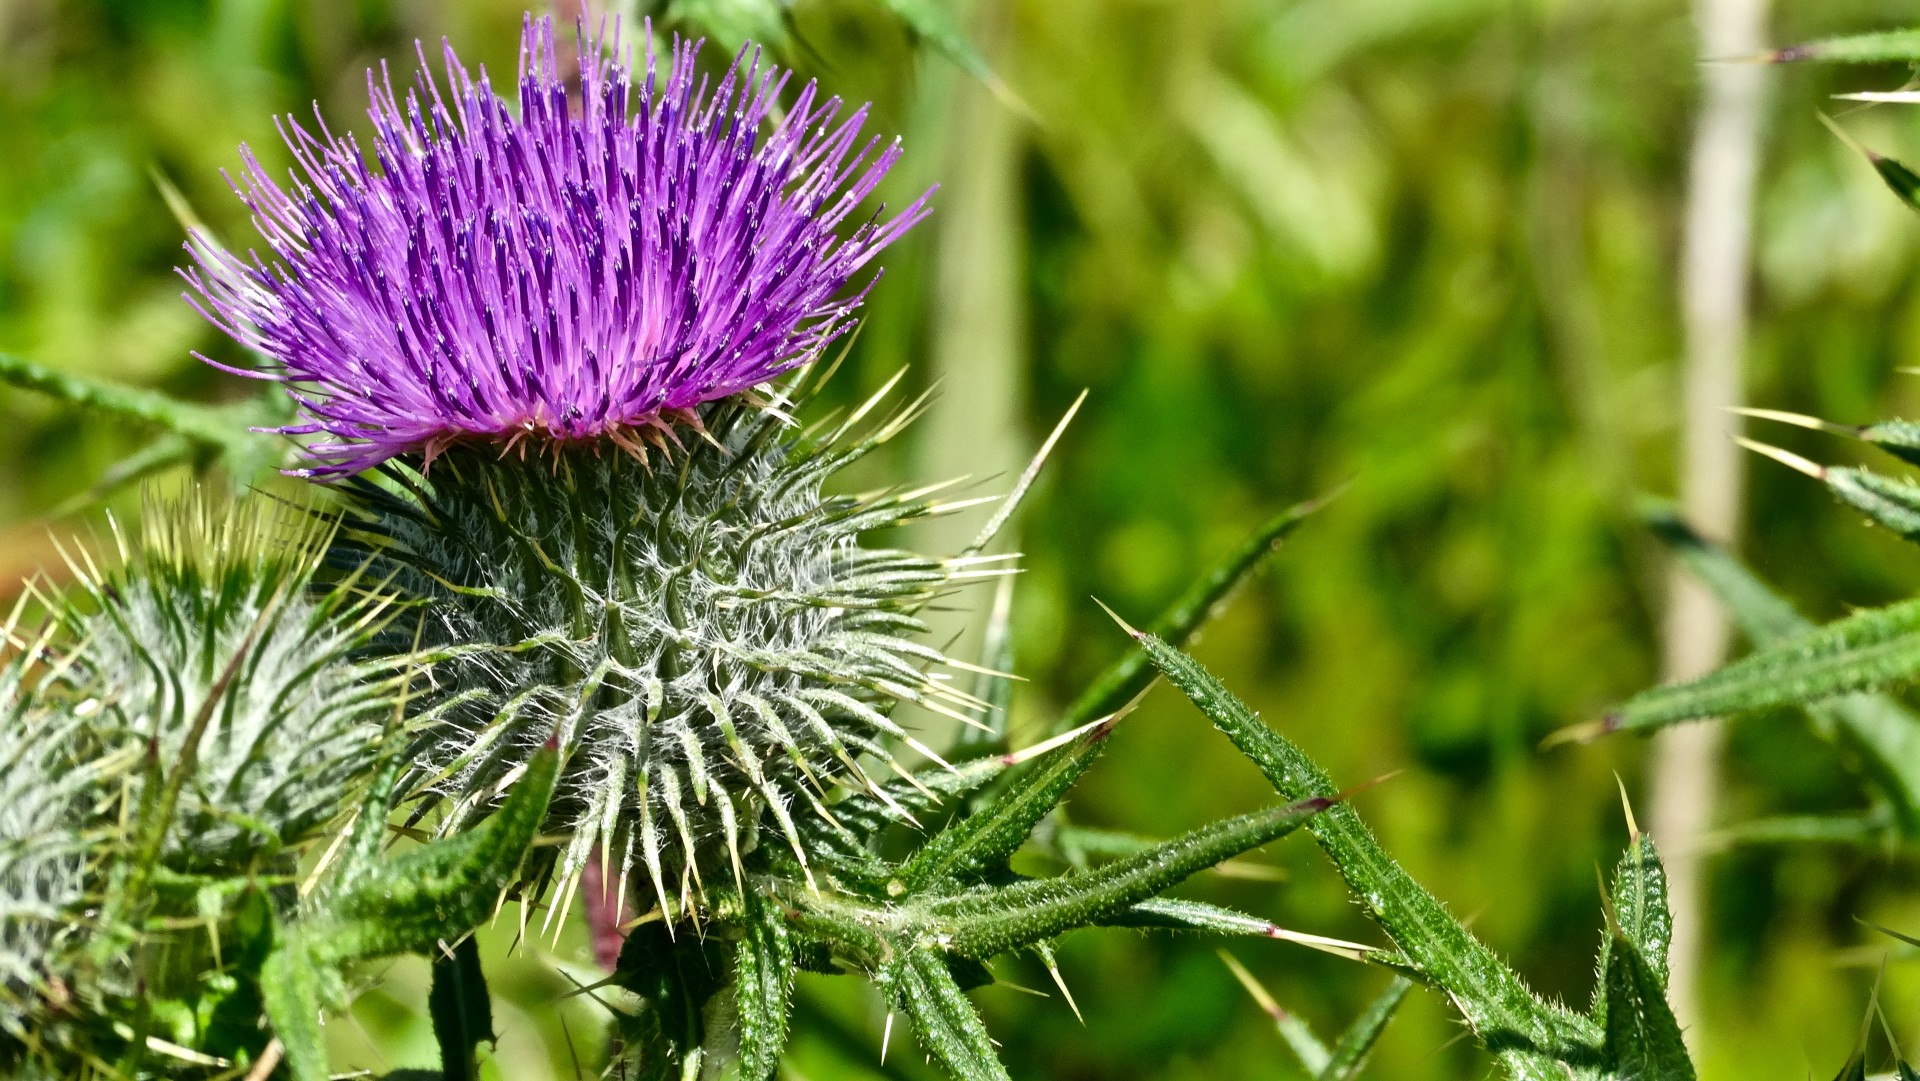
{"x":590,"y":269}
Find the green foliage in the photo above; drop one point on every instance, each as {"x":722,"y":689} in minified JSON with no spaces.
{"x":191,"y":433}
{"x":1868,"y":651}
{"x":461,"y":1010}
{"x":1631,"y":1035}
{"x":1876,"y":47}
{"x":1884,"y":733}
{"x":1131,"y":674}
{"x":408,"y":903}
{"x":1485,"y":290}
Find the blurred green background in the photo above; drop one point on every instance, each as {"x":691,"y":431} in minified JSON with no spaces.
{"x":1427,"y":246}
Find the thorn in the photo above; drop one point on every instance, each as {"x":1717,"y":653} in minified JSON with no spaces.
{"x":981,"y":670}
{"x":1785,"y":457}
{"x":1027,"y":754}
{"x":1898,"y":97}
{"x":1633,"y":827}
{"x":886,"y":1038}
{"x":1254,"y":988}
{"x":1582,"y":733}
{"x":1115,"y":616}
{"x":1054,"y":971}
{"x":1339,"y":947}
{"x":1798,"y":420}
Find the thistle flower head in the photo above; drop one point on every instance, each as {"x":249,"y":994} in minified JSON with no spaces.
{"x":45,"y":792}
{"x":592,"y":268}
{"x":709,"y":643}
{"x":209,"y":644}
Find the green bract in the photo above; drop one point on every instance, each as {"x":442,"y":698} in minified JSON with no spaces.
{"x":211,"y":642}
{"x":704,"y":634}
{"x":44,"y":843}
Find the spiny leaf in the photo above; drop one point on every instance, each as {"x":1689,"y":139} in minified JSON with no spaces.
{"x":293,"y":991}
{"x":1349,"y":1054}
{"x":1898,"y":177}
{"x":1868,"y":830}
{"x":1642,"y":1041}
{"x":981,"y":925}
{"x":1313,"y":1055}
{"x":1855,"y":1069}
{"x":948,"y":1026}
{"x":1886,"y":733}
{"x":996,"y":655}
{"x":1639,"y":915}
{"x":763,"y":964}
{"x":1761,"y":614}
{"x":1892,"y":502}
{"x":1536,"y":1037}
{"x":1132,"y":673}
{"x":1900,"y":438}
{"x":1174,"y":914}
{"x":1867,"y":651}
{"x":225,"y":429}
{"x":461,"y":1011}
{"x":447,"y":886}
{"x":985,"y":839}
{"x":1879,"y":47}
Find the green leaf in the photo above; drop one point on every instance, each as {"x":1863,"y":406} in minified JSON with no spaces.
{"x":1884,"y":732}
{"x":293,"y":986}
{"x":1642,"y":1041}
{"x":1132,"y":673}
{"x":678,"y":980}
{"x":225,"y":430}
{"x":980,"y":925}
{"x":1866,"y":651}
{"x":1897,"y":177}
{"x":460,"y":1008}
{"x":1879,"y":47}
{"x":1869,"y":830}
{"x":1892,"y":502}
{"x":948,"y":1026}
{"x":763,"y":966}
{"x":987,"y":838}
{"x":439,"y":890}
{"x":1534,"y":1037}
{"x":1349,"y":1055}
{"x":1174,"y":914}
{"x":1638,"y":913}
{"x":1761,"y":614}
{"x":1900,"y":438}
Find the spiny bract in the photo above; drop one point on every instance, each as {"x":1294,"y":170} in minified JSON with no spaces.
{"x":211,"y":632}
{"x":705,"y":636}
{"x":45,"y":843}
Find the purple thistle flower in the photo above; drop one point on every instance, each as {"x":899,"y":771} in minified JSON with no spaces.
{"x":585,"y":271}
